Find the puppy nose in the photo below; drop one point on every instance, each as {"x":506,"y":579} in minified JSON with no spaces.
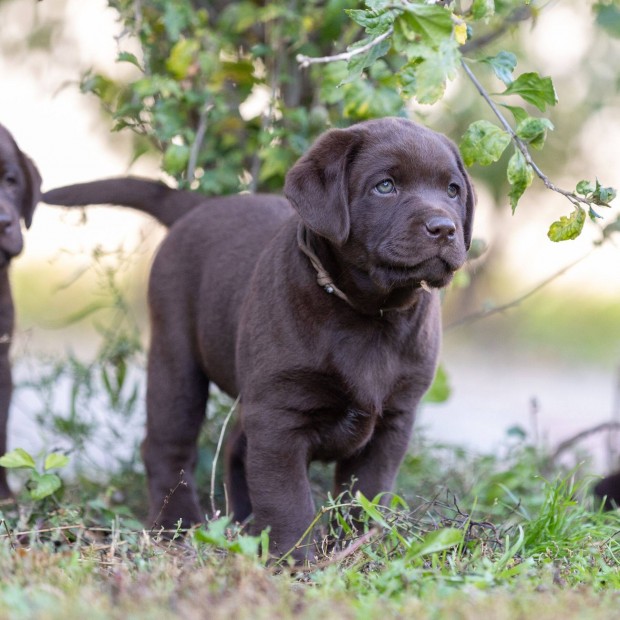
{"x":5,"y":221}
{"x":441,"y":228}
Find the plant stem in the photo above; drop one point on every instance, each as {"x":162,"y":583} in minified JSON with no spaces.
{"x":306,"y":61}
{"x":198,"y":140}
{"x":518,"y":142}
{"x":217,"y":453}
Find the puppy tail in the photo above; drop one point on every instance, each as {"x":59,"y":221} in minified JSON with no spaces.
{"x":162,"y":202}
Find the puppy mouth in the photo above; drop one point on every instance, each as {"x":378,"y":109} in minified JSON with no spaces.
{"x":433,"y":272}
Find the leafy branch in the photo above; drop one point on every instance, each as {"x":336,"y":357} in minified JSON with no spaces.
{"x":574,"y":198}
{"x":424,"y":43}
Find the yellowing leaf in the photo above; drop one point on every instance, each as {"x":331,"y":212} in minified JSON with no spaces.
{"x":484,"y":143}
{"x":181,"y":57}
{"x":16,"y":459}
{"x":568,"y":227}
{"x":460,"y":33}
{"x":55,"y":460}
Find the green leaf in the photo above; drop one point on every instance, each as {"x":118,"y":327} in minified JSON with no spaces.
{"x":432,"y":73}
{"x":214,"y":533}
{"x":437,"y":541}
{"x":430,"y":22}
{"x":374,"y":23}
{"x":245,"y":545}
{"x":55,"y":461}
{"x":568,"y":227}
{"x":520,"y":175}
{"x":371,"y":510}
{"x":440,"y":390}
{"x":608,"y":18}
{"x":596,"y":193}
{"x":176,"y":158}
{"x":16,"y":459}
{"x":503,"y":65}
{"x":584,"y":188}
{"x":181,"y":57}
{"x":603,"y":195}
{"x":358,"y":63}
{"x":130,"y":58}
{"x":539,"y":91}
{"x":41,"y":486}
{"x":518,"y":113}
{"x":534,"y":131}
{"x":482,"y":9}
{"x":483,"y":143}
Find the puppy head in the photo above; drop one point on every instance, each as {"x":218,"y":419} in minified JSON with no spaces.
{"x":393,"y":199}
{"x":20,"y":191}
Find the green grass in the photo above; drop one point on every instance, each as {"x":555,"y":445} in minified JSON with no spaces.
{"x":495,"y":536}
{"x":510,"y":537}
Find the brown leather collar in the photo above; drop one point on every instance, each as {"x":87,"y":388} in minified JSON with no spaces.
{"x":324,"y":280}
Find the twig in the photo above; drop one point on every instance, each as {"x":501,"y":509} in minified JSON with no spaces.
{"x":612,"y":438}
{"x":519,"y":15}
{"x":306,"y":61}
{"x":8,"y":533}
{"x":476,"y":316}
{"x":197,"y":144}
{"x":217,"y":454}
{"x":571,"y":441}
{"x":181,"y":482}
{"x":574,"y":198}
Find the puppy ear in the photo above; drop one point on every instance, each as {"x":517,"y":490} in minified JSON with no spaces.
{"x":317,"y":185}
{"x":470,"y":203}
{"x":32,"y":191}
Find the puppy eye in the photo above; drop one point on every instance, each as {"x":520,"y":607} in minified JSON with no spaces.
{"x":453,"y":190}
{"x":385,"y":187}
{"x":10,"y":179}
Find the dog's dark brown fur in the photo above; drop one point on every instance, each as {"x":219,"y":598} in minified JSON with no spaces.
{"x":233,"y":300}
{"x":608,"y":491}
{"x":20,"y":186}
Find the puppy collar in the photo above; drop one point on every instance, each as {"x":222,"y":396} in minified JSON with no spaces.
{"x":323,"y":278}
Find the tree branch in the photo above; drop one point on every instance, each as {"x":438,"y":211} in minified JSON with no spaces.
{"x":476,"y":316}
{"x":571,"y":441}
{"x":574,"y":198}
{"x":306,"y":61}
{"x":201,"y":130}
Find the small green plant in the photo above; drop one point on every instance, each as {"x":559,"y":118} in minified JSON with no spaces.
{"x":221,"y":534}
{"x":41,"y":483}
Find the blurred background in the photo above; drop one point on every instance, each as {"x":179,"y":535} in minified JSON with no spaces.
{"x":549,"y":365}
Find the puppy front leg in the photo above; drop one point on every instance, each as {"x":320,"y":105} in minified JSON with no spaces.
{"x":374,"y":468}
{"x":277,"y":476}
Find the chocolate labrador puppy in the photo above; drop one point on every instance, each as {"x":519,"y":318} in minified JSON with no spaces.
{"x":320,"y":311}
{"x":20,"y":191}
